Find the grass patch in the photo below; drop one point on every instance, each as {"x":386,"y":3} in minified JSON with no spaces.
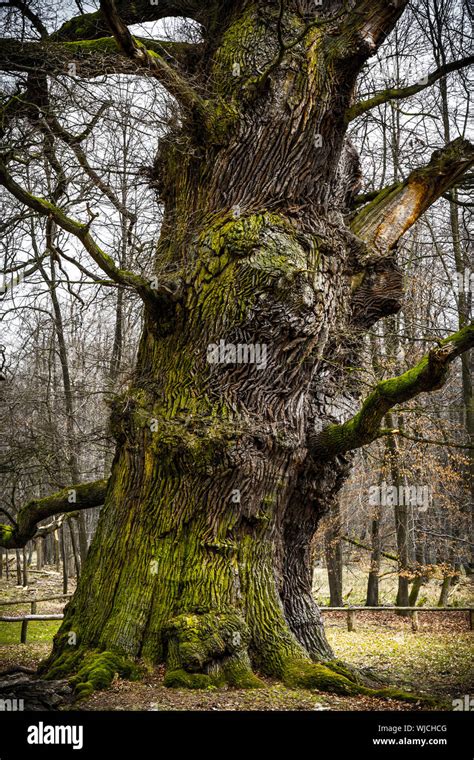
{"x":38,"y":631}
{"x":436,"y":662}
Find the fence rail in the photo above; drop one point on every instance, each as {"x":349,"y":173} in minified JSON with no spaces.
{"x":34,"y":600}
{"x":25,"y":619}
{"x":351,"y":613}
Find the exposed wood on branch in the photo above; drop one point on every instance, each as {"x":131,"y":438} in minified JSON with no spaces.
{"x":382,"y":222}
{"x":378,"y":286}
{"x":366,"y":26}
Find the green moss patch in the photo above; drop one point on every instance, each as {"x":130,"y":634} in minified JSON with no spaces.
{"x":334,"y":677}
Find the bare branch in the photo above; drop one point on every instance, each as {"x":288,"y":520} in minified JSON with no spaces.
{"x":405,"y":92}
{"x":81,"y":231}
{"x":444,"y":535}
{"x":74,"y":143}
{"x":93,"y":25}
{"x":99,"y":57}
{"x":430,"y":441}
{"x":154,"y":296}
{"x":360,"y":545}
{"x":28,"y":13}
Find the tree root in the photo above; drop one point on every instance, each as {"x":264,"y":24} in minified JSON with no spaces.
{"x":209,"y":649}
{"x":33,"y":693}
{"x":90,"y":670}
{"x":337,"y":678}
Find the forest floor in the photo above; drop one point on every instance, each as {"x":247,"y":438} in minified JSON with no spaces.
{"x":436,"y":660}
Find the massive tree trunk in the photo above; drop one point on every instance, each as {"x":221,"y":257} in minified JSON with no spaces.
{"x":220,"y":478}
{"x":201,"y":556}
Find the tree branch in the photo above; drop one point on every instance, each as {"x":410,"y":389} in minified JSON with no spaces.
{"x":52,"y":125}
{"x":444,"y":535}
{"x":431,"y":441}
{"x":360,"y":545}
{"x":377,"y":285}
{"x":381,"y":223}
{"x":160,"y":297}
{"x":366,"y":26}
{"x":32,"y":17}
{"x":176,"y":85}
{"x":93,"y":25}
{"x":79,"y":230}
{"x":94,"y":58}
{"x":405,"y":92}
{"x":429,"y":374}
{"x":83,"y":496}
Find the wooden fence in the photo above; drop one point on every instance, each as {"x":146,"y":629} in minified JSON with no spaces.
{"x":350,"y":612}
{"x":25,"y":619}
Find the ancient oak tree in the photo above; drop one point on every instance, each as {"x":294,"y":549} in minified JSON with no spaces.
{"x":223,"y":469}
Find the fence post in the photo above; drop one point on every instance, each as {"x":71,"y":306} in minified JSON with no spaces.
{"x":415,"y":625}
{"x":24,"y":631}
{"x":33,"y":608}
{"x":350,"y":620}
{"x":471,"y":619}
